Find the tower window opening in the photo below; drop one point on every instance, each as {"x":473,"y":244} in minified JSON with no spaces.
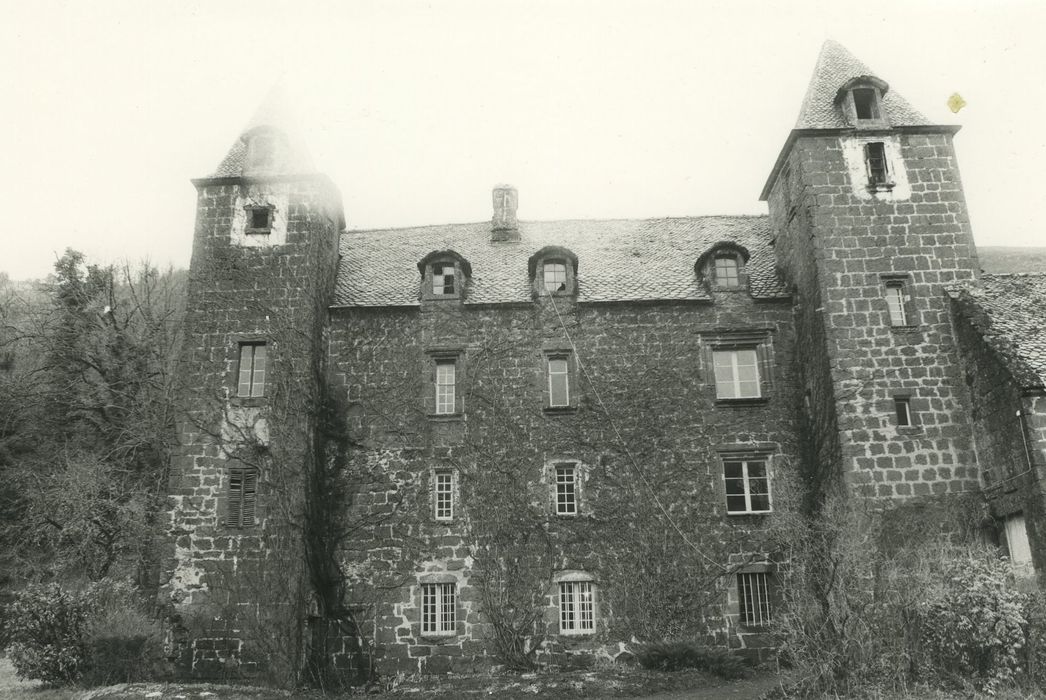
{"x":875,"y":162}
{"x":866,"y":103}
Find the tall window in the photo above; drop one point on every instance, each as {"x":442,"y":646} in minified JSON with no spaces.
{"x":444,"y":490}
{"x":243,"y":490}
{"x":726,"y":274}
{"x":252,"y":370}
{"x":895,"y":294}
{"x":558,"y":381}
{"x":736,"y":374}
{"x":445,"y":384}
{"x":443,"y":279}
{"x":902,"y":407}
{"x":875,"y":163}
{"x":566,"y":489}
{"x":747,"y":486}
{"x":577,"y":611}
{"x":753,"y":590}
{"x":438,"y":608}
{"x":555,"y":274}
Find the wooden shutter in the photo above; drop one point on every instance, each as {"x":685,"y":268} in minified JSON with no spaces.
{"x":243,"y":489}
{"x":250,"y":491}
{"x":765,"y":358}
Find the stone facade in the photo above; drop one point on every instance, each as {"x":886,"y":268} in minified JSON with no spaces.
{"x":443,"y":448}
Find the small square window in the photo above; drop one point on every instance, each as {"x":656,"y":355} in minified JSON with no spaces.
{"x":577,"y":610}
{"x":895,"y":302}
{"x":726,"y":271}
{"x":242,"y":495}
{"x":443,"y":279}
{"x":747,"y":486}
{"x":444,"y":494}
{"x":251,"y":370}
{"x":737,"y":374}
{"x":446,"y":386}
{"x":902,"y":407}
{"x":866,"y":103}
{"x":753,"y":590}
{"x":259,"y":219}
{"x":876,"y":164}
{"x":555,"y":276}
{"x":558,"y":382}
{"x":439,"y":608}
{"x":566,"y":489}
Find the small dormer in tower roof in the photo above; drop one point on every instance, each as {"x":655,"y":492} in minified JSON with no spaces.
{"x":838,"y":70}
{"x":270,"y":144}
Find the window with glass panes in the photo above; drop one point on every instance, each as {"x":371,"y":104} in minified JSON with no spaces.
{"x":577,"y":612}
{"x":726,"y":274}
{"x":445,"y":385}
{"x":566,"y":489}
{"x":558,"y":381}
{"x":252,"y":370}
{"x":737,"y":374}
{"x":747,"y":486}
{"x":895,"y":303}
{"x":444,"y":495}
{"x":438,"y":606}
{"x":555,"y":274}
{"x":443,"y":279}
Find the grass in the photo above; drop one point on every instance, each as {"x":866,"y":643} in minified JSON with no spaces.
{"x":13,"y":688}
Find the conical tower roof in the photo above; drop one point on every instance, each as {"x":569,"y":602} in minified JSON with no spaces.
{"x":275,"y":115}
{"x":836,"y":67}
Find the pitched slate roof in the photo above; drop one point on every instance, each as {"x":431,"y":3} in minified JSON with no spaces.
{"x":618,"y":260}
{"x":1010,"y":312}
{"x":835,"y":67}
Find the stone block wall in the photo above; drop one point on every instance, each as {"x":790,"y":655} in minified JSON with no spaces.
{"x":857,"y":241}
{"x":226,"y":586}
{"x":645,"y":432}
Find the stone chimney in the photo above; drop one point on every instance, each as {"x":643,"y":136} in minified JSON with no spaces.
{"x":504,"y":226}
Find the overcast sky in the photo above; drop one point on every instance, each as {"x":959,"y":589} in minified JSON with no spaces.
{"x":598,"y":109}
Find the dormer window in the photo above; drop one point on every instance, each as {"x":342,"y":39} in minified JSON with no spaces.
{"x":555,"y":276}
{"x":264,"y":148}
{"x":726,"y":271}
{"x":444,"y":275}
{"x":866,"y":103}
{"x":553,"y":272}
{"x":443,"y":280}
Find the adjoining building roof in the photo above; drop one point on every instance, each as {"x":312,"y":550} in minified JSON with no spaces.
{"x":835,"y":67}
{"x":618,"y":260}
{"x":1010,"y":312}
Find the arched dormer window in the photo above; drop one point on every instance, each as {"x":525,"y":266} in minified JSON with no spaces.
{"x":444,"y":274}
{"x":861,"y":102}
{"x":723,"y":266}
{"x":553,"y":271}
{"x":266,"y":149}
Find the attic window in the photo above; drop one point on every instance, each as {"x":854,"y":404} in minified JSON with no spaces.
{"x":866,"y":103}
{"x":443,"y":279}
{"x":261,"y":152}
{"x":726,"y":271}
{"x":555,"y":276}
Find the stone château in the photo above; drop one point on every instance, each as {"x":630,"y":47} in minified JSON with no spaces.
{"x":428,"y":449}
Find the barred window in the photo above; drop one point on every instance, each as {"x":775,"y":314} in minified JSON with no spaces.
{"x":444,"y":490}
{"x":438,"y":608}
{"x":577,"y":614}
{"x":566,"y":489}
{"x":753,"y":589}
{"x":243,"y":490}
{"x":251,"y":370}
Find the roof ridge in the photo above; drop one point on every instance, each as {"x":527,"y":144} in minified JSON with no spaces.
{"x":561,"y":221}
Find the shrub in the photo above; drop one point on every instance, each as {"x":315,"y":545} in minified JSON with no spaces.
{"x":98,"y":634}
{"x":678,"y":655}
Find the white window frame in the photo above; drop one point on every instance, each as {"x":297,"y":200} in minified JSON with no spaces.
{"x":439,"y":279}
{"x":734,"y":381}
{"x":746,"y":482}
{"x":567,"y":491}
{"x":443,"y":488}
{"x":251,"y":370}
{"x":577,"y":606}
{"x":754,"y":604}
{"x":446,"y":386}
{"x":556,"y":282}
{"x":439,"y":604}
{"x":553,"y":375}
{"x":728,"y":276}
